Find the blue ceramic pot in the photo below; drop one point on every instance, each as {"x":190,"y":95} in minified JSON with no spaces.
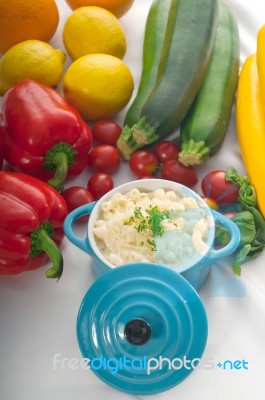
{"x":196,"y":273}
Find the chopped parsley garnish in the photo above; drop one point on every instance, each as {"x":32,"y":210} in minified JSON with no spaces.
{"x":152,"y":244}
{"x":151,"y":222}
{"x":154,"y":220}
{"x":138,"y":212}
{"x":142,"y":226}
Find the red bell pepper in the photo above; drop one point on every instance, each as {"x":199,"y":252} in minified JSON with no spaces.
{"x":1,"y":141}
{"x":31,"y":224}
{"x":45,"y":136}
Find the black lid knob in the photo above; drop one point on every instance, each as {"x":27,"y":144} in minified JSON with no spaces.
{"x":137,"y":331}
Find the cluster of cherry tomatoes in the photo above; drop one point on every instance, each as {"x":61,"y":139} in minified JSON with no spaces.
{"x":161,"y":162}
{"x":103,"y":160}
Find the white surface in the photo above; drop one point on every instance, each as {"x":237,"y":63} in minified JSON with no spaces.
{"x":37,"y":316}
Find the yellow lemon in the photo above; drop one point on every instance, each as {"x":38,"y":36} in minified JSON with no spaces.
{"x":32,"y":59}
{"x":98,"y":85}
{"x":93,"y":29}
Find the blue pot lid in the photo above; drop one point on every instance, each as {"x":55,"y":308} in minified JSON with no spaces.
{"x":143,"y":328}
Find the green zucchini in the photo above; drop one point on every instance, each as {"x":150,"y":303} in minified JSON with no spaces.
{"x":155,"y":30}
{"x":187,"y":46}
{"x":204,"y":128}
{"x":160,"y":13}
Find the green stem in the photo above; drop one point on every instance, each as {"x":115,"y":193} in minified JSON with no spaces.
{"x":41,"y":241}
{"x":143,"y":133}
{"x":136,"y":137}
{"x":60,"y":160}
{"x":126,"y":143}
{"x":53,"y":252}
{"x":193,"y":153}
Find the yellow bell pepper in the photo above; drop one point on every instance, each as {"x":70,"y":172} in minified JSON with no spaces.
{"x":261,"y":60}
{"x":250,"y":123}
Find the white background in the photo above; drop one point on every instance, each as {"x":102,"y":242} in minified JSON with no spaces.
{"x":38,"y":316}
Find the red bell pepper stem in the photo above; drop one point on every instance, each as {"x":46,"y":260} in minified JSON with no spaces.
{"x":41,"y":241}
{"x":61,"y":162}
{"x":58,"y":159}
{"x":53,"y":252}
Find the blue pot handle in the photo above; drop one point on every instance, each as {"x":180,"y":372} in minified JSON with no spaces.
{"x":234,"y":237}
{"x":82,"y":243}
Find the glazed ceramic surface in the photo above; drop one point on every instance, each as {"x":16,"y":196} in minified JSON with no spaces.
{"x":196,"y":273}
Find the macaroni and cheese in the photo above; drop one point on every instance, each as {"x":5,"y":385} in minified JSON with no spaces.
{"x":162,"y":226}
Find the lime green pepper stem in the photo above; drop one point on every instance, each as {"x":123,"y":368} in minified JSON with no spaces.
{"x":61,"y":162}
{"x":41,"y":241}
{"x":53,"y":252}
{"x":58,"y":159}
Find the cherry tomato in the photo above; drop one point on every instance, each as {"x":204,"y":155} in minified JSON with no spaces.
{"x":77,"y":196}
{"x":104,"y":158}
{"x":166,"y":150}
{"x":215,"y":185}
{"x":174,"y":171}
{"x":143,"y":163}
{"x":106,"y":131}
{"x":99,"y":184}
